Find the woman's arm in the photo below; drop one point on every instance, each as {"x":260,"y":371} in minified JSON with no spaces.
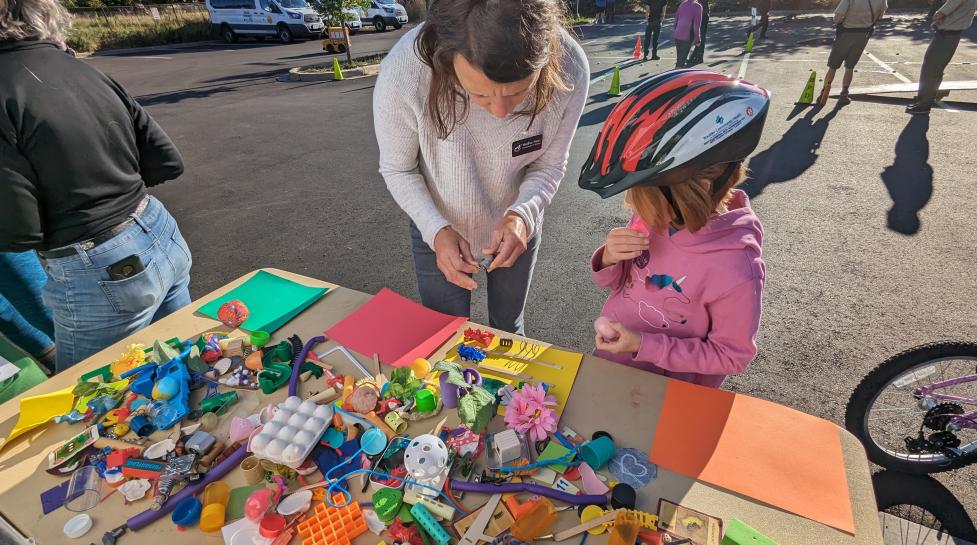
{"x":20,"y":218}
{"x":395,"y":121}
{"x":728,"y":348}
{"x":544,"y":175}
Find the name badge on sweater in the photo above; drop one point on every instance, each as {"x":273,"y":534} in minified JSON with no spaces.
{"x":527,"y":145}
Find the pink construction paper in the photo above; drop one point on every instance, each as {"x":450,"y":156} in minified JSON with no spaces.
{"x":396,"y":328}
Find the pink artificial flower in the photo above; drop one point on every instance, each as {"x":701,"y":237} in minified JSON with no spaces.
{"x":529,"y":412}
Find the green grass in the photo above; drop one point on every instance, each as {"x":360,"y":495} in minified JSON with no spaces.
{"x":121,"y":31}
{"x":581,"y":20}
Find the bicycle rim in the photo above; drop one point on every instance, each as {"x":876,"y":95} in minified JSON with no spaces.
{"x":894,"y":413}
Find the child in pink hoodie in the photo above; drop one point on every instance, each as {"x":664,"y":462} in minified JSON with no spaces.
{"x":686,"y":275}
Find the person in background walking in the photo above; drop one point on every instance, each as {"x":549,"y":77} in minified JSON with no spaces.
{"x":948,"y":22}
{"x":688,"y":25}
{"x":698,"y":54}
{"x":854,"y":23}
{"x":656,"y":12}
{"x":76,"y":155}
{"x":23,"y":317}
{"x":610,"y":10}
{"x":763,"y":7}
{"x":600,"y":11}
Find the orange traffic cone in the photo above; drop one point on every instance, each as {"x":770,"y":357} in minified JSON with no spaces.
{"x":637,"y":49}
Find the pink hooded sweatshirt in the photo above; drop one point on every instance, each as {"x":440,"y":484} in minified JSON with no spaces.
{"x":694,"y":297}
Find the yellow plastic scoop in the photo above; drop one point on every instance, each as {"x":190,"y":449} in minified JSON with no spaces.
{"x":39,"y":410}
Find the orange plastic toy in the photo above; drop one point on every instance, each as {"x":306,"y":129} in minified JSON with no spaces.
{"x":625,"y":530}
{"x":328,"y":525}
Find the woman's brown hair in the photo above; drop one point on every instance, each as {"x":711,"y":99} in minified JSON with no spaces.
{"x":695,"y":199}
{"x":508,"y":40}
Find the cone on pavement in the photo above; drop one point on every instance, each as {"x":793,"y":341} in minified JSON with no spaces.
{"x":637,"y":49}
{"x":337,"y":72}
{"x":615,"y":90}
{"x":749,"y":44}
{"x":807,"y":97}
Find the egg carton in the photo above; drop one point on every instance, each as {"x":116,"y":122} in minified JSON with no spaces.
{"x":292,"y":433}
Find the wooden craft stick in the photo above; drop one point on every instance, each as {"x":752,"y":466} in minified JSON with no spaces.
{"x":580,"y":528}
{"x":507,"y":355}
{"x":505,"y":372}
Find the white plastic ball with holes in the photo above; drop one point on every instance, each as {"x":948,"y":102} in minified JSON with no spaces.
{"x":426,"y":457}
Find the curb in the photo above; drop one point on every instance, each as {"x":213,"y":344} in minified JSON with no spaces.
{"x":353,"y":73}
{"x":116,"y":52}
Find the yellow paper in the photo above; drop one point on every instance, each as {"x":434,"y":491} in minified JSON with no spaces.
{"x":560,"y":380}
{"x":39,"y":410}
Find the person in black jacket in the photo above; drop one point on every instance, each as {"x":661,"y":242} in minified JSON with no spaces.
{"x":653,"y":29}
{"x":76,"y":156}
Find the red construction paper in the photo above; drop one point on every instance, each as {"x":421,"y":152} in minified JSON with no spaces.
{"x":396,"y":328}
{"x":768,"y":452}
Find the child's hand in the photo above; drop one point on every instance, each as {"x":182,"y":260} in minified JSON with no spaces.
{"x":626,"y":342}
{"x":623,"y":243}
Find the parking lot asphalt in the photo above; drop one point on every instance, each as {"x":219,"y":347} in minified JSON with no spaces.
{"x":870,"y":235}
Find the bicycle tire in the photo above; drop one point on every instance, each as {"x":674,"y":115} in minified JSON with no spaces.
{"x":894,"y":489}
{"x":870,"y":387}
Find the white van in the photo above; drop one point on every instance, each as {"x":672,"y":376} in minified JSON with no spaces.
{"x":353,"y":20}
{"x":286,"y":19}
{"x":385,"y":13}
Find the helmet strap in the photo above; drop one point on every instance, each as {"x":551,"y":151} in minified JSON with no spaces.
{"x":677,"y":219}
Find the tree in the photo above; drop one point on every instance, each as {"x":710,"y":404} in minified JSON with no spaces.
{"x":335,"y":13}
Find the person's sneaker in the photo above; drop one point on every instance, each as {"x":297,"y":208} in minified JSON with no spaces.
{"x":656,"y":58}
{"x":646,"y":56}
{"x":843,"y":98}
{"x":918,"y":109}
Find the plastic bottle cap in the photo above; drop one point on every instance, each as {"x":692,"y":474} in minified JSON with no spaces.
{"x":424,"y":401}
{"x":260,"y":338}
{"x":78,"y":526}
{"x":623,"y":496}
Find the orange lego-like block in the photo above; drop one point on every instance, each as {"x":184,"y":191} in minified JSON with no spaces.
{"x":328,"y":525}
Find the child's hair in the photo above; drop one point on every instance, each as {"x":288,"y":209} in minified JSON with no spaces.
{"x":692,"y":199}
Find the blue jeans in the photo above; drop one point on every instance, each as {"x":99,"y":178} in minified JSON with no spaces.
{"x":23,"y":317}
{"x":507,"y":288}
{"x":92,"y":311}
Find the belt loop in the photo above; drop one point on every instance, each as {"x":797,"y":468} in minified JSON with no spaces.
{"x":138,"y":212}
{"x":83,"y":254}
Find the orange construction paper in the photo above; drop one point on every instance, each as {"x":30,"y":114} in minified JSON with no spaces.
{"x":777,"y":455}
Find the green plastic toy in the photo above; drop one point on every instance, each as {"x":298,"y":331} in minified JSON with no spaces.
{"x":387,"y":503}
{"x":273,"y":377}
{"x":740,"y":533}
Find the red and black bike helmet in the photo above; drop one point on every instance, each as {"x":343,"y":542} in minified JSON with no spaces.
{"x":671,"y":126}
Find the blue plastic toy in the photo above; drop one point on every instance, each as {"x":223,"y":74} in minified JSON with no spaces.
{"x":176,"y":380}
{"x":470,"y":353}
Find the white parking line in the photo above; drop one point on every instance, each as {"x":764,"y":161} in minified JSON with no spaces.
{"x":888,"y":68}
{"x":746,"y":61}
{"x":904,"y":79}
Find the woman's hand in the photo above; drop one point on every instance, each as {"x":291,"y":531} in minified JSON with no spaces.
{"x":623,"y":243}
{"x":626,"y":342}
{"x":455,"y":258}
{"x":508,"y":241}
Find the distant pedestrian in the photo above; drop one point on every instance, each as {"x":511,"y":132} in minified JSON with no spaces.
{"x":76,"y":156}
{"x":698,"y":54}
{"x":600,"y":11}
{"x":854,"y":24}
{"x":688,"y":27}
{"x":763,"y":8}
{"x":948,"y":22}
{"x":610,"y":10}
{"x":474,"y":129}
{"x":656,"y":12}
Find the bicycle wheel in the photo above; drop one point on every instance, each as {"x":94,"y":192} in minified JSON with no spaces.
{"x":925,"y":509}
{"x":904,"y":431}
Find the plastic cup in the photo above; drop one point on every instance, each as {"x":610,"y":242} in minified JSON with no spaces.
{"x":84,"y":490}
{"x":214,"y":499}
{"x":598,"y":452}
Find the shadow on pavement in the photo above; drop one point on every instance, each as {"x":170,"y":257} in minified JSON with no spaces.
{"x":909,"y":179}
{"x":792,"y":155}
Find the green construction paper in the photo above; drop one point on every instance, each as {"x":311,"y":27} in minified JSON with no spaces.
{"x":235,"y":502}
{"x":555,"y":450}
{"x":740,"y":533}
{"x":271,"y":300}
